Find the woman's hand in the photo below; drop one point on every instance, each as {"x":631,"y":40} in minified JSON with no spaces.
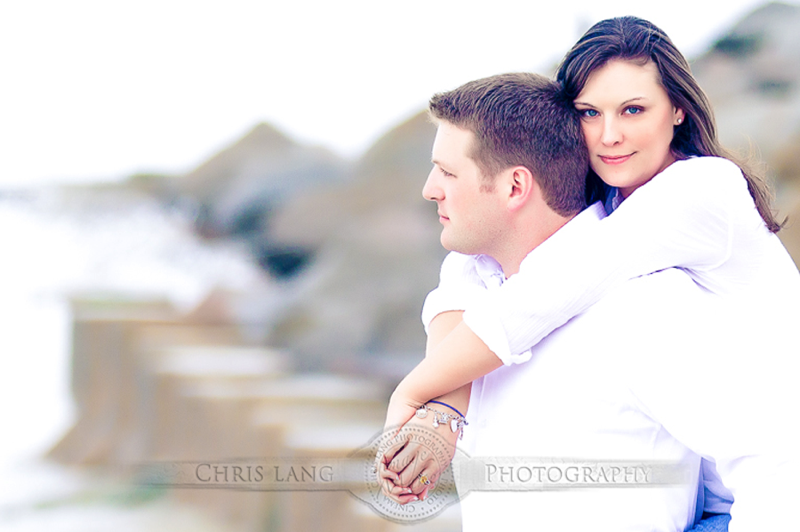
{"x":401,"y":410}
{"x":404,"y":462}
{"x":418,"y":453}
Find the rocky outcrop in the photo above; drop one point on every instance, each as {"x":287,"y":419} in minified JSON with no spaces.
{"x":162,"y":399}
{"x":237,"y":190}
{"x":752,"y":75}
{"x":377,"y":256}
{"x":353,"y":255}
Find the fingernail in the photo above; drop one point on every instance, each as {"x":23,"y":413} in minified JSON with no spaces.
{"x":408,"y":490}
{"x":414,"y":499}
{"x":423,"y":496}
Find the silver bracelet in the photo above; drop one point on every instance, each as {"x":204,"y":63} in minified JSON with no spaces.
{"x":457,"y":423}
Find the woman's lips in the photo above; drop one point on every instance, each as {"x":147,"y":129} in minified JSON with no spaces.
{"x":615,"y":159}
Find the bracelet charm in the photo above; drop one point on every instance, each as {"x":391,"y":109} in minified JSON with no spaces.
{"x":457,"y":423}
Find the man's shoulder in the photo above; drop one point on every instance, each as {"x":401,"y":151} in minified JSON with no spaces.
{"x":660,"y":320}
{"x":670,"y":283}
{"x":651,"y":302}
{"x":636,"y":313}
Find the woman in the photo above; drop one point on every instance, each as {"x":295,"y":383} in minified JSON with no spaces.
{"x":645,"y":121}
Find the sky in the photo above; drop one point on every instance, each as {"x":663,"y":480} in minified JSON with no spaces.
{"x":99,"y":90}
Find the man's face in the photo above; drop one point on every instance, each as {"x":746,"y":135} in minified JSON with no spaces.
{"x":473,"y":217}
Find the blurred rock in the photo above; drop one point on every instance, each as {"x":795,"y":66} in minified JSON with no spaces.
{"x":236,"y":190}
{"x":377,"y":256}
{"x":159,"y":392}
{"x":752,"y":76}
{"x":354,"y":254}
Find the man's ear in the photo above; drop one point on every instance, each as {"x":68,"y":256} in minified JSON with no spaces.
{"x":523,"y":186}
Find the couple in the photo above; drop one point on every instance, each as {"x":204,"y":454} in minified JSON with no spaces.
{"x":656,"y":333}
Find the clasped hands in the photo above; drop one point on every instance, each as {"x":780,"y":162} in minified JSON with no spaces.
{"x":414,"y":455}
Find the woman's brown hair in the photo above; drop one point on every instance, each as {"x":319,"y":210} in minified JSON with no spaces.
{"x":635,"y":39}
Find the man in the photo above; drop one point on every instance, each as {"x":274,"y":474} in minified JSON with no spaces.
{"x":508,"y":177}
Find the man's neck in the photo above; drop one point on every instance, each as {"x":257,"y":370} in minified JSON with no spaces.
{"x":526,"y":236}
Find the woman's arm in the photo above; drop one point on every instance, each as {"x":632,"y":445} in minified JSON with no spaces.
{"x":684,"y":217}
{"x":444,"y":370}
{"x":442,"y":325}
{"x":680,"y":218}
{"x":401,"y":467}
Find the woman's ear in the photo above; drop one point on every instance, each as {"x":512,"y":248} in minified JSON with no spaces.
{"x":680,"y":116}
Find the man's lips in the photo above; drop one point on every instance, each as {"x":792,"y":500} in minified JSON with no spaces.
{"x":615,"y":159}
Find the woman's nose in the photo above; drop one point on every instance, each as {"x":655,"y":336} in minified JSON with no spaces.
{"x":611,"y":132}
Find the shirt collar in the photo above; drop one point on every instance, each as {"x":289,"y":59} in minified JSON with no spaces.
{"x":616,"y":199}
{"x":490,"y":271}
{"x":561,"y":238}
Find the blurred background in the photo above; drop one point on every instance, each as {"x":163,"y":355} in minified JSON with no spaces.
{"x":213,"y":239}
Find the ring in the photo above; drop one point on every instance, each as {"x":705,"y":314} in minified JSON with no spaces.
{"x":424,"y":480}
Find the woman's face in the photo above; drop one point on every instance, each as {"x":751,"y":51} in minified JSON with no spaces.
{"x":628,"y":121}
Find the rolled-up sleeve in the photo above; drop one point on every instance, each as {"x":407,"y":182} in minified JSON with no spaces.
{"x":460,"y":287}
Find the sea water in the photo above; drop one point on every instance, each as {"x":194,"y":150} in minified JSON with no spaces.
{"x":55,"y":243}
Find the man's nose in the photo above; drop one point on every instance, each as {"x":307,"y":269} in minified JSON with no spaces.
{"x":432,"y":191}
{"x":611,"y":132}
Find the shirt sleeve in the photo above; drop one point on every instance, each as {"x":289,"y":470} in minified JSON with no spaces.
{"x":681,"y":218}
{"x":460,"y":287}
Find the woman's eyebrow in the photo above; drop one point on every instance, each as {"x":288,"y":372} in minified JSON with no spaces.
{"x":626,"y":102}
{"x":630,"y":100}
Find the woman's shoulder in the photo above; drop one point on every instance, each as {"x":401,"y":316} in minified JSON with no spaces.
{"x":700,"y":176}
{"x":706,"y":168}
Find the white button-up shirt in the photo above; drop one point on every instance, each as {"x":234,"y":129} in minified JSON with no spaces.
{"x":657,"y":370}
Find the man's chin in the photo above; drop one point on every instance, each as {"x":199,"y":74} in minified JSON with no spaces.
{"x":446,"y":243}
{"x":449,"y":245}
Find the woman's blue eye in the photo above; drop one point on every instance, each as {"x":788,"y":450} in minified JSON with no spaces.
{"x":589,"y":113}
{"x":633,"y":110}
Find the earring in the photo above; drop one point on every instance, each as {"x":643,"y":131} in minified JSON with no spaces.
{"x":680,"y":120}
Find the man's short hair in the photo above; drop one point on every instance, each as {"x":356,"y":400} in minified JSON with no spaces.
{"x":522,"y":119}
